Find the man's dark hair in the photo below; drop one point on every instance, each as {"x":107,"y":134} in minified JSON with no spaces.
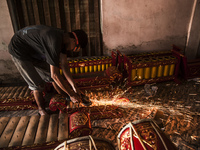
{"x":82,"y":37}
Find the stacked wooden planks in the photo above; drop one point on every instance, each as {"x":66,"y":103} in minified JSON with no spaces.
{"x":35,"y":131}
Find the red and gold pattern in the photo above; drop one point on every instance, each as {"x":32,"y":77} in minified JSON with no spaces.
{"x":58,"y":102}
{"x":22,"y":103}
{"x":94,"y":72}
{"x":79,"y":124}
{"x":111,"y":74}
{"x":18,"y":97}
{"x":143,"y":135}
{"x":125,"y":140}
{"x":153,"y":67}
{"x":96,"y":112}
{"x":18,"y":106}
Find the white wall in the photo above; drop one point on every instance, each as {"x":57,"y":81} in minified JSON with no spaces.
{"x":8,"y":71}
{"x":142,"y":25}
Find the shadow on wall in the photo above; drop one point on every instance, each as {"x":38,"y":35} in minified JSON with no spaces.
{"x":8,"y":79}
{"x":9,"y":73}
{"x":148,"y":46}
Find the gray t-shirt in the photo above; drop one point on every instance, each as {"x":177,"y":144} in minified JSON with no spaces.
{"x":39,"y":42}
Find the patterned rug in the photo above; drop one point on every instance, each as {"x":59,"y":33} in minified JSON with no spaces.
{"x":16,"y":98}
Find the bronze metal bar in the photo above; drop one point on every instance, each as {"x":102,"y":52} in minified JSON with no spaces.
{"x":67,"y":15}
{"x":25,"y":12}
{"x":97,"y":27}
{"x":46,"y":12}
{"x":36,"y":12}
{"x":77,"y":14}
{"x":57,"y":14}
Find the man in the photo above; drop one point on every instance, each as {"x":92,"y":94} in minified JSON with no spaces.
{"x":38,"y":53}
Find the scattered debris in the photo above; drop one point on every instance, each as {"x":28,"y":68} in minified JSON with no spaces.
{"x":192,"y":94}
{"x":194,"y":79}
{"x":150,"y":90}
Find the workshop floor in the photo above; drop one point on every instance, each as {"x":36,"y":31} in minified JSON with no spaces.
{"x":178,"y":106}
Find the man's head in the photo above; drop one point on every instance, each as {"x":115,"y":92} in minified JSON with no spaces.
{"x":80,"y":38}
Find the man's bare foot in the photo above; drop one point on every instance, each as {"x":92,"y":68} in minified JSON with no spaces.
{"x":42,"y":112}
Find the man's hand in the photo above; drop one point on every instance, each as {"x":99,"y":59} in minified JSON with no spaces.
{"x":75,"y":99}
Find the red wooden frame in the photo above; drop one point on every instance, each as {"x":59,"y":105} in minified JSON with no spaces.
{"x":96,"y":78}
{"x":128,"y":65}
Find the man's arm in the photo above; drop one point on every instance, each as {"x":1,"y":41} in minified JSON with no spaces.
{"x":60,"y":81}
{"x":65,"y":68}
{"x":67,"y":74}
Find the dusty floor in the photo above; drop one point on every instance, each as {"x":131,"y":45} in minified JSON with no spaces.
{"x":179,"y":106}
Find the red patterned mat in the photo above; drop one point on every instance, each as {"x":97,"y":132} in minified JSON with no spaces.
{"x":96,"y":112}
{"x":16,"y":98}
